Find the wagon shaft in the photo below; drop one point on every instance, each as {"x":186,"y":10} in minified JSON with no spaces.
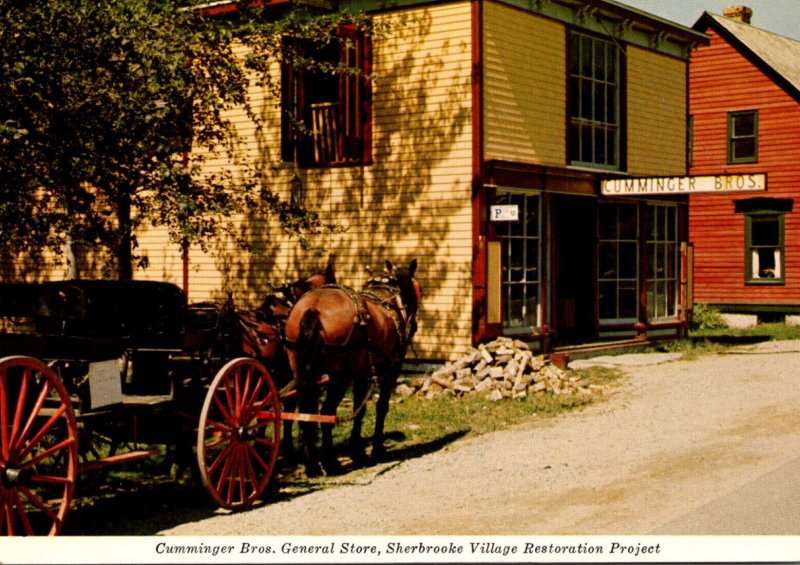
{"x":317,"y":418}
{"x":118,"y":459}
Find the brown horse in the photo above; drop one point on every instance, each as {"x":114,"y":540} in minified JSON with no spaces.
{"x":258,"y":333}
{"x":353,"y":337}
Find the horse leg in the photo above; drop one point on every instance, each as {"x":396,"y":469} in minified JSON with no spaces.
{"x":288,"y":451}
{"x":283,"y":374}
{"x":308,"y":402}
{"x":357,"y":453}
{"x":387,"y":385}
{"x":333,"y":397}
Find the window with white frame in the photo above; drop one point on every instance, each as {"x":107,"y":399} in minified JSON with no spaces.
{"x":521,"y":262}
{"x":662,"y":261}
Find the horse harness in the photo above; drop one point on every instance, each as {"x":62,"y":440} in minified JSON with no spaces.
{"x":257,"y":333}
{"x":384,"y":294}
{"x":392,"y":304}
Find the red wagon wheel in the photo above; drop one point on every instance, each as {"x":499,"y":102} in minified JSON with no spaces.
{"x":239,"y":433}
{"x":38,"y":448}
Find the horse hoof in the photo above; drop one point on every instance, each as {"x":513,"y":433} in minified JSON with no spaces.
{"x":181,"y":475}
{"x":289,"y":455}
{"x":313,"y":470}
{"x":359,"y":458}
{"x":333,"y":467}
{"x":379,"y":454}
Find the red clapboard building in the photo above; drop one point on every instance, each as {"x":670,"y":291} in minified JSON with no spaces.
{"x":744,"y":106}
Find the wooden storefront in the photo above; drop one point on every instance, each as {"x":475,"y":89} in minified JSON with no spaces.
{"x":474,"y":104}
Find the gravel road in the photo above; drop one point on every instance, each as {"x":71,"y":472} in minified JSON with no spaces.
{"x":674,"y":437}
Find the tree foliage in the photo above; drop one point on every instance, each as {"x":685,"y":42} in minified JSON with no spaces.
{"x":99,"y":102}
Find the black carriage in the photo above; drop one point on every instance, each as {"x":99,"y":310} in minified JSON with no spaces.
{"x":91,"y":370}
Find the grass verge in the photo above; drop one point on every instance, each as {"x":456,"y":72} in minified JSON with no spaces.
{"x":417,"y":424}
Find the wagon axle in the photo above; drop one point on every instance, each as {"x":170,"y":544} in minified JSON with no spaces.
{"x":245,"y":433}
{"x":13,"y":477}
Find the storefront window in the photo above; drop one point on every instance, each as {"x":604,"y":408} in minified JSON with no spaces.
{"x":521,"y":262}
{"x":662,"y":261}
{"x":618,"y":262}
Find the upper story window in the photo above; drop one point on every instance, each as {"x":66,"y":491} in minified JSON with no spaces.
{"x":743,"y":137}
{"x":594,"y":102}
{"x":326,"y":107}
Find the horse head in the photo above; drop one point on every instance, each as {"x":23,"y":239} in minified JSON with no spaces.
{"x":410,"y":289}
{"x":328,"y":276}
{"x":410,"y":292}
{"x":280,"y":300}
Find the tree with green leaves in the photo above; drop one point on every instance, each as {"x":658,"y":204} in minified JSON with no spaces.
{"x":107,"y":110}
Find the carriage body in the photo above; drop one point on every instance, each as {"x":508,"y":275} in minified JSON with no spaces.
{"x":125,"y":363}
{"x":112,"y":343}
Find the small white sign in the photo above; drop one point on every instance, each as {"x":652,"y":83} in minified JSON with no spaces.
{"x":105,"y":383}
{"x":504,"y":212}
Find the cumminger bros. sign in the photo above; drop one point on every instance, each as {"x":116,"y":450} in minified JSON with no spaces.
{"x":684,"y":185}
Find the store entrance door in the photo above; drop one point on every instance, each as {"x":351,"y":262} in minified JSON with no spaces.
{"x":574,"y":224}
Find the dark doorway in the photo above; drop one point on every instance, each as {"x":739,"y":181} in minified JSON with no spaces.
{"x":574,"y":225}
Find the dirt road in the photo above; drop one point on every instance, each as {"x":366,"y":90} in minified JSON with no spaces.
{"x":677,"y":437}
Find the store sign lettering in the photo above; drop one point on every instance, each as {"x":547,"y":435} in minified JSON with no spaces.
{"x":684,"y":185}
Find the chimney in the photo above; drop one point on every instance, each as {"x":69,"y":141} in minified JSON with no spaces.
{"x":738,"y":13}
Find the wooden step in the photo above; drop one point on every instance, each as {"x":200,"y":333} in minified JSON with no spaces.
{"x":589,"y":349}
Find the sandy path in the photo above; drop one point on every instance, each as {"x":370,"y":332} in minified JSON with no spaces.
{"x":675,"y":437}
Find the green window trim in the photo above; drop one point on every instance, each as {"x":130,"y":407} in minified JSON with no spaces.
{"x":743,"y":137}
{"x":765,"y":248}
{"x":594,"y":102}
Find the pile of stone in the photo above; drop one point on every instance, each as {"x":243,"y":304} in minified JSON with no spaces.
{"x":504,"y":368}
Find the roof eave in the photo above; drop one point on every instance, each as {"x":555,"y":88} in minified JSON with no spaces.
{"x":706,"y":20}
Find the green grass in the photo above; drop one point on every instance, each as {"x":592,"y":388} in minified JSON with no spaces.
{"x":771,"y":330}
{"x":707,"y":341}
{"x":416,"y":425}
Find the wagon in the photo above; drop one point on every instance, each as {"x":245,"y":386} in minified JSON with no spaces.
{"x":90,"y":371}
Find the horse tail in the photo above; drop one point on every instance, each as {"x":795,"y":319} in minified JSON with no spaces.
{"x":310,"y":344}
{"x":309,"y":352}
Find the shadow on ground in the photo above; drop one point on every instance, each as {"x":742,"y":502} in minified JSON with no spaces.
{"x":146,"y":503}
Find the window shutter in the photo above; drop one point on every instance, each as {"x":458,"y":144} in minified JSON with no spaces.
{"x":351,"y":94}
{"x":291,"y":105}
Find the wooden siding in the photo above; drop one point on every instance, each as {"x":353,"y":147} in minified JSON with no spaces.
{"x":524,"y":86}
{"x":656,"y":113}
{"x":31,"y":266}
{"x":721,"y":81}
{"x":414,"y":201}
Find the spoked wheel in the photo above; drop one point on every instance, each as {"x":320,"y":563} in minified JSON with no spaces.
{"x":38,"y":448}
{"x":239,"y":433}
